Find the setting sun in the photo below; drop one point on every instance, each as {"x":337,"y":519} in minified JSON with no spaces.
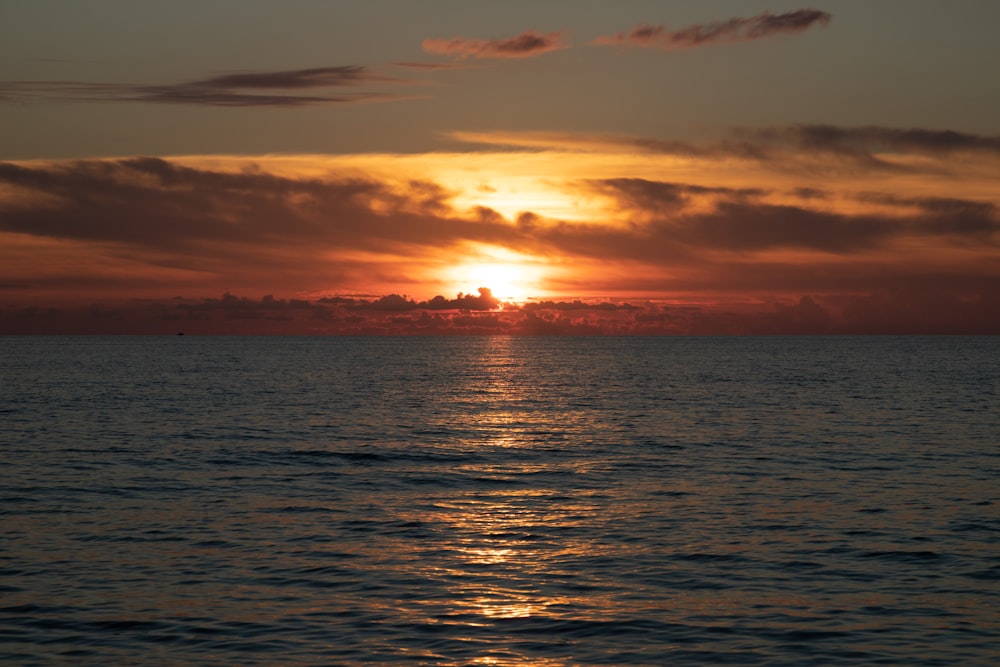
{"x":510,"y":276}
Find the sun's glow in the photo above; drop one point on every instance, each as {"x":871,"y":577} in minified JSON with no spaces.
{"x":511,"y":195}
{"x":510,"y":276}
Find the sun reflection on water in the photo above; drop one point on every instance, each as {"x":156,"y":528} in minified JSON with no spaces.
{"x":520,"y":661}
{"x":510,"y":539}
{"x":501,"y":556}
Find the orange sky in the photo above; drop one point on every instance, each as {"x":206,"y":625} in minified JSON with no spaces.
{"x":815,"y":226}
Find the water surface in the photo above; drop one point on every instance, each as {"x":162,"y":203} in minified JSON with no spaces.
{"x":499,"y":501}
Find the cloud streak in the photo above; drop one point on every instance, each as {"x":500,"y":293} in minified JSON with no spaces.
{"x":870,"y":140}
{"x":239,"y":89}
{"x":789,"y":148}
{"x":761,"y":26}
{"x":433,"y":67}
{"x":525,"y":45}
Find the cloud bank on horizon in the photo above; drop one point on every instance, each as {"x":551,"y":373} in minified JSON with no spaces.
{"x":903,"y":312}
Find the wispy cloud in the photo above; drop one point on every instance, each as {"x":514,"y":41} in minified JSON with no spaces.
{"x":238,"y":89}
{"x":577,"y":142}
{"x":434,"y":67}
{"x":872,"y":139}
{"x":526,"y":45}
{"x":825,"y":148}
{"x":717,"y":32}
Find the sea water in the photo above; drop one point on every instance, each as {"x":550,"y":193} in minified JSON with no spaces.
{"x":499,"y":501}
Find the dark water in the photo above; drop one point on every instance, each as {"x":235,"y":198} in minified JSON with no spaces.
{"x":499,"y":501}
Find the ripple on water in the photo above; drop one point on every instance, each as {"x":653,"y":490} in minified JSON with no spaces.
{"x":499,"y":501}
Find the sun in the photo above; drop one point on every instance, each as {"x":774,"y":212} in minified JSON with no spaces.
{"x":510,"y":276}
{"x":506,"y":280}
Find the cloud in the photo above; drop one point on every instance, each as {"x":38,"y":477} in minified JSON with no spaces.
{"x":317,"y":77}
{"x":526,"y":45}
{"x":396,"y":303}
{"x":756,"y":27}
{"x":164,"y":206}
{"x":737,"y":220}
{"x":239,"y":89}
{"x":577,"y":141}
{"x":434,"y":67}
{"x":790,"y":149}
{"x":148,"y":223}
{"x":209,"y":220}
{"x":94,"y":230}
{"x":660,"y":196}
{"x":868,"y":141}
{"x":895,"y":311}
{"x":483,"y":301}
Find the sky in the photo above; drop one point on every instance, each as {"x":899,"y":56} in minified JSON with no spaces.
{"x":459,"y":166}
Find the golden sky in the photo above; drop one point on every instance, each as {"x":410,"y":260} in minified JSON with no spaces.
{"x":667,"y":168}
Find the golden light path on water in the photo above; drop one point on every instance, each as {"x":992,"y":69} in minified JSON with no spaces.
{"x":500,"y":554}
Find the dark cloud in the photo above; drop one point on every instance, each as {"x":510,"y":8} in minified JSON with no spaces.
{"x":755,"y":227}
{"x":809,"y":193}
{"x":868,"y":141}
{"x":731,"y":30}
{"x":737,"y":220}
{"x":578,"y":141}
{"x":161,"y":204}
{"x":317,"y":77}
{"x":526,"y":45}
{"x":642,"y":194}
{"x":909,"y":310}
{"x":231,"y":228}
{"x":577,"y":305}
{"x":239,"y":89}
{"x":945,"y":215}
{"x":482,"y":301}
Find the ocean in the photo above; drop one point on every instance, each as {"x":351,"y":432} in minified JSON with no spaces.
{"x":545,"y":501}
